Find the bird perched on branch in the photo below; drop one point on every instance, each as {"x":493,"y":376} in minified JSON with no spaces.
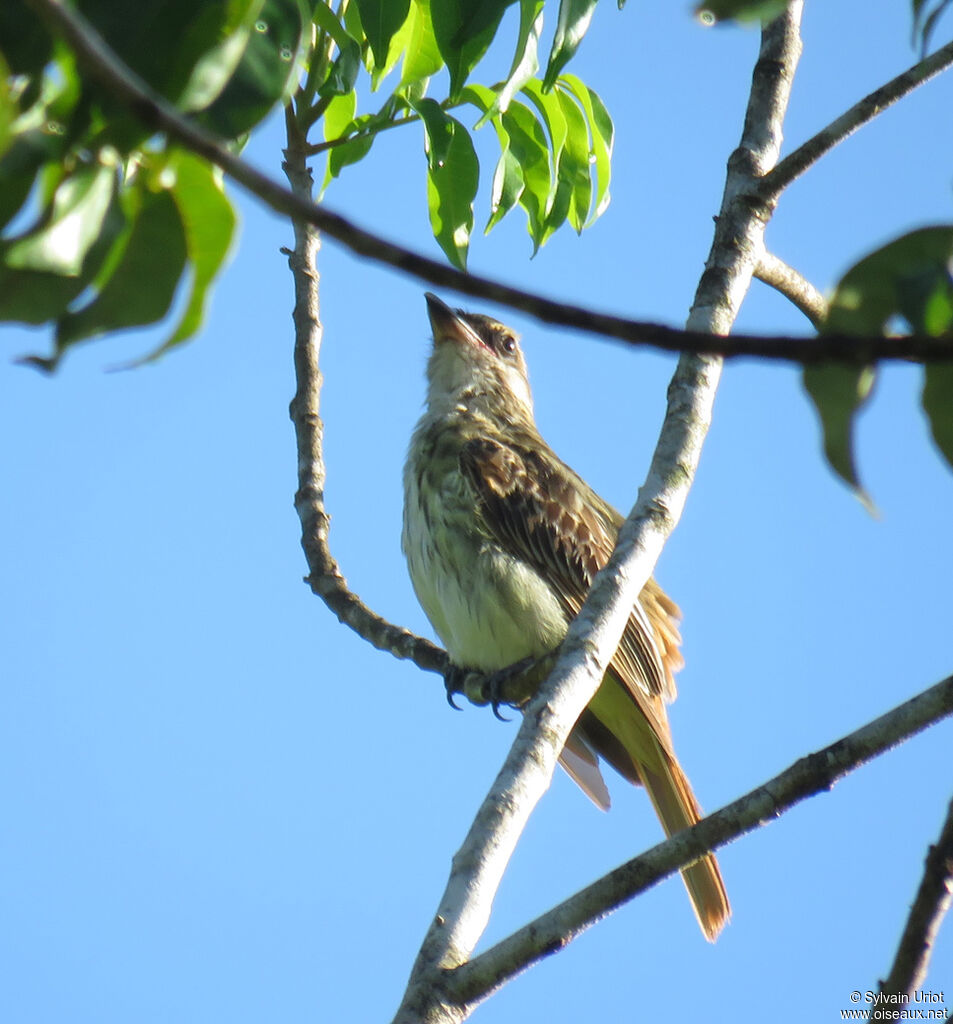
{"x":503,"y":540}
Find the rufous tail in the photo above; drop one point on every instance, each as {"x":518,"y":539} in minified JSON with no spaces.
{"x":677,"y":808}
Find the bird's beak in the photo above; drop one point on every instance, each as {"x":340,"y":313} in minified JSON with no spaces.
{"x":449,"y":325}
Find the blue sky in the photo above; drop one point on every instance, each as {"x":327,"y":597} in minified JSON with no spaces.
{"x":220,"y":804}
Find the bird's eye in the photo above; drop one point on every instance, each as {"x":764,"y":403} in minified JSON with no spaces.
{"x":509,"y":343}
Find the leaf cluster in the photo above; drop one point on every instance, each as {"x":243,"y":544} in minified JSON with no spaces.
{"x":905,"y":285}
{"x":106,"y":226}
{"x":554,"y":133}
{"x":103,"y":222}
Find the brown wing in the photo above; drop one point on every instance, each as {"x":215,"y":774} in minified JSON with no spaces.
{"x":541,"y":512}
{"x":546,"y":515}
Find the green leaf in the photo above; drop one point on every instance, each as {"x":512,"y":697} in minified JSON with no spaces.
{"x":61,"y":109}
{"x":480,"y":96}
{"x":438,"y":129}
{"x":43,"y":113}
{"x":213,"y":67}
{"x":508,"y":183}
{"x":60,"y":244}
{"x":381,"y":19}
{"x":422,"y":56}
{"x":909,"y":277}
{"x":463,"y":32}
{"x":570,"y":168}
{"x":925,"y":300}
{"x":571,"y":26}
{"x":525,"y":60}
{"x":343,"y":74}
{"x":529,"y":147}
{"x":559,"y":204}
{"x":937,"y":401}
{"x":560,"y":194}
{"x":838,"y":393}
{"x":19,"y":165}
{"x":339,"y":121}
{"x":35,"y":297}
{"x":329,"y":23}
{"x":266,"y":72}
{"x":352,"y":22}
{"x":453,"y":174}
{"x":399,"y":46}
{"x":9,"y":108}
{"x":209,"y":223}
{"x":574,"y":161}
{"x":141,"y":288}
{"x":338,"y":116}
{"x":551,"y":112}
{"x":24,"y":39}
{"x":162,"y":42}
{"x":602,"y":133}
{"x":508,"y":177}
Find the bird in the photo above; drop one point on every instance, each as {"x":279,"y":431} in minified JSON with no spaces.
{"x":502,"y":541}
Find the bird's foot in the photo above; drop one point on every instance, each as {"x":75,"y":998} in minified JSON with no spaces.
{"x":495,"y":686}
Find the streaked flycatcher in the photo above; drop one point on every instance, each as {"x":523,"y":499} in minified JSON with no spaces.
{"x":503,"y":540}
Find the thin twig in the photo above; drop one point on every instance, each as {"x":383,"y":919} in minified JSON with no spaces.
{"x":316,"y":148}
{"x":926,"y":915}
{"x":159,"y":115}
{"x":793,"y":286}
{"x":796,"y":163}
{"x":594,"y":634}
{"x":473,"y":981}
{"x":325,"y":576}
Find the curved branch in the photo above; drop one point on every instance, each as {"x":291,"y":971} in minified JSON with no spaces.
{"x":325,"y":576}
{"x":808,"y":153}
{"x":926,"y":915}
{"x":785,"y":279}
{"x":158,"y":114}
{"x":813,"y":774}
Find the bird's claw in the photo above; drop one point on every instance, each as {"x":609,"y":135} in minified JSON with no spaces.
{"x":492,"y":686}
{"x":453,"y":679}
{"x":495,"y":705}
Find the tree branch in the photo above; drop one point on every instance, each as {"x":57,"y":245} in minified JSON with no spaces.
{"x":158,"y":114}
{"x":473,"y":981}
{"x":796,"y":163}
{"x":325,"y":576}
{"x":594,"y":634}
{"x":926,"y":915}
{"x":785,"y":279}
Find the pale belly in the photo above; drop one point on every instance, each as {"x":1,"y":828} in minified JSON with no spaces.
{"x":488,"y":609}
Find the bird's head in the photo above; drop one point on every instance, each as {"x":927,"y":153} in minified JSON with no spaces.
{"x":476,"y":359}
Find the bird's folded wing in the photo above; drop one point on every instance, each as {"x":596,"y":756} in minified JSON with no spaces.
{"x":545,"y":515}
